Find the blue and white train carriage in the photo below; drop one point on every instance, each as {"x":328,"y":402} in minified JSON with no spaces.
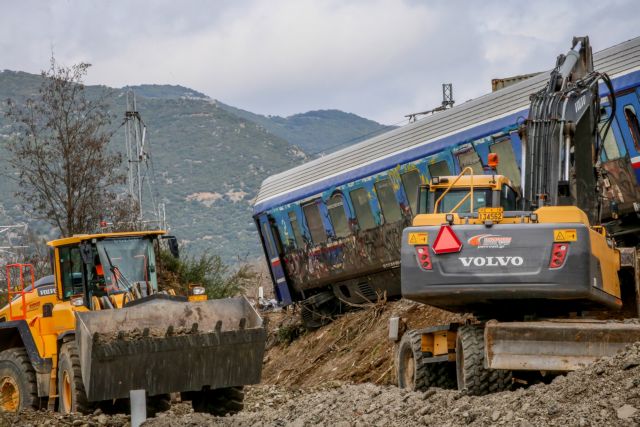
{"x":331,"y":227}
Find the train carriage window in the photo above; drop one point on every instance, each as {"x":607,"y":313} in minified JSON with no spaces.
{"x":293,"y":219}
{"x":440,"y":168}
{"x":314,"y":222}
{"x":609,"y":141}
{"x":335,"y":206}
{"x":469,"y":157}
{"x":360,"y":201}
{"x":388,"y":201}
{"x":410,"y":183}
{"x":634,"y":126}
{"x":507,"y":165}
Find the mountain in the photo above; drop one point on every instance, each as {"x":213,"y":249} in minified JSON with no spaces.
{"x":316,"y":132}
{"x":208,"y":158}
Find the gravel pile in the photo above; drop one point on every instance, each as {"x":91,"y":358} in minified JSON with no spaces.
{"x":44,"y":418}
{"x":605,"y":393}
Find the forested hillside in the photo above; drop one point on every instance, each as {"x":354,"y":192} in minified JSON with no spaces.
{"x":208,"y":158}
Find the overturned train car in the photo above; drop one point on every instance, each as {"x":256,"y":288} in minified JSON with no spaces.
{"x":331,"y":228}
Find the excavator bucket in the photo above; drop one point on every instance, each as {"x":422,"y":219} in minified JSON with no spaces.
{"x":164,"y":345}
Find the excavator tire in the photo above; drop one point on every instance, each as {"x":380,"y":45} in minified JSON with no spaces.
{"x":412,"y":371}
{"x":18,"y":387}
{"x":473,"y":378}
{"x":72,"y":396}
{"x":218,"y":402}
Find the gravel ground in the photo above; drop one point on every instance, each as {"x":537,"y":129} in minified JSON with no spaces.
{"x":605,"y":393}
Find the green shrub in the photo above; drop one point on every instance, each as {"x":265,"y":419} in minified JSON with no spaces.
{"x":206,"y":270}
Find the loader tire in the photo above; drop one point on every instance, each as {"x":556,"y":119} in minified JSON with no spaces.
{"x":473,"y":378}
{"x":18,"y":387}
{"x":414,"y":373}
{"x":218,"y":402}
{"x":71,"y":394}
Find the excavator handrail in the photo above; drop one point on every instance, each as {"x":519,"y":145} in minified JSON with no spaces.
{"x":469,"y":194}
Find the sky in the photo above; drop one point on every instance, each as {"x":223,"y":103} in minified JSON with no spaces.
{"x":380,"y":59}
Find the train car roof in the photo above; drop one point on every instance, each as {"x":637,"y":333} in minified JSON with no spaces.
{"x":483,"y":116}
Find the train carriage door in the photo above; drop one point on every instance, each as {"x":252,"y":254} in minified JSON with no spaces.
{"x":273,"y":250}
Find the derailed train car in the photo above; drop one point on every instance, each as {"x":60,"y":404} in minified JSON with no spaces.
{"x":331,"y":228}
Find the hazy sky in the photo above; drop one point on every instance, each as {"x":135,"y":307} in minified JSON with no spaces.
{"x":379,"y":59}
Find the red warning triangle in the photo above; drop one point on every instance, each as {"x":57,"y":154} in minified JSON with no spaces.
{"x":446,"y":241}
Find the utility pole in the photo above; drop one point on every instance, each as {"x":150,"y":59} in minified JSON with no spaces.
{"x":134,"y":139}
{"x":138,"y":159}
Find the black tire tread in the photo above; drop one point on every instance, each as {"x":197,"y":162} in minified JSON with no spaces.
{"x":478,"y":380}
{"x":438,"y":374}
{"x":82,"y":404}
{"x":20,"y":358}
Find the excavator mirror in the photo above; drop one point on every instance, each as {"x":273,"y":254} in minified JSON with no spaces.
{"x":493,"y":160}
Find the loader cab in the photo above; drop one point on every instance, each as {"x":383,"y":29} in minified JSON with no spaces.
{"x":105,"y":270}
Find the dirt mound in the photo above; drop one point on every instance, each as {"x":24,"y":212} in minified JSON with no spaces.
{"x":353,"y":348}
{"x":606,"y":393}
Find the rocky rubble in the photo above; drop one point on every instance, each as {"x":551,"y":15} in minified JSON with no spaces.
{"x":44,"y":418}
{"x":605,"y":393}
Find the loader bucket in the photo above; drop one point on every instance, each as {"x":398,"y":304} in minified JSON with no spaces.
{"x":165,"y":345}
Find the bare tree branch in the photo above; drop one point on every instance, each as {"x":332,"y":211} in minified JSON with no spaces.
{"x":59,"y":151}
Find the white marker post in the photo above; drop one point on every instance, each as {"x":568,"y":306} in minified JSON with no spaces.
{"x":138,"y":407}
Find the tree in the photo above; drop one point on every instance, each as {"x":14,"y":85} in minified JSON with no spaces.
{"x":60,"y":154}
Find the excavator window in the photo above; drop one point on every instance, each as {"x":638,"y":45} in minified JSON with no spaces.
{"x":481,"y":199}
{"x":508,"y":198}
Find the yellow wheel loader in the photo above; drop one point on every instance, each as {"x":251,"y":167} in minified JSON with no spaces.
{"x":99,"y":327}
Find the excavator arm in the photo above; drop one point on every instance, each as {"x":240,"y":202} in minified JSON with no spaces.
{"x":561,"y":143}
